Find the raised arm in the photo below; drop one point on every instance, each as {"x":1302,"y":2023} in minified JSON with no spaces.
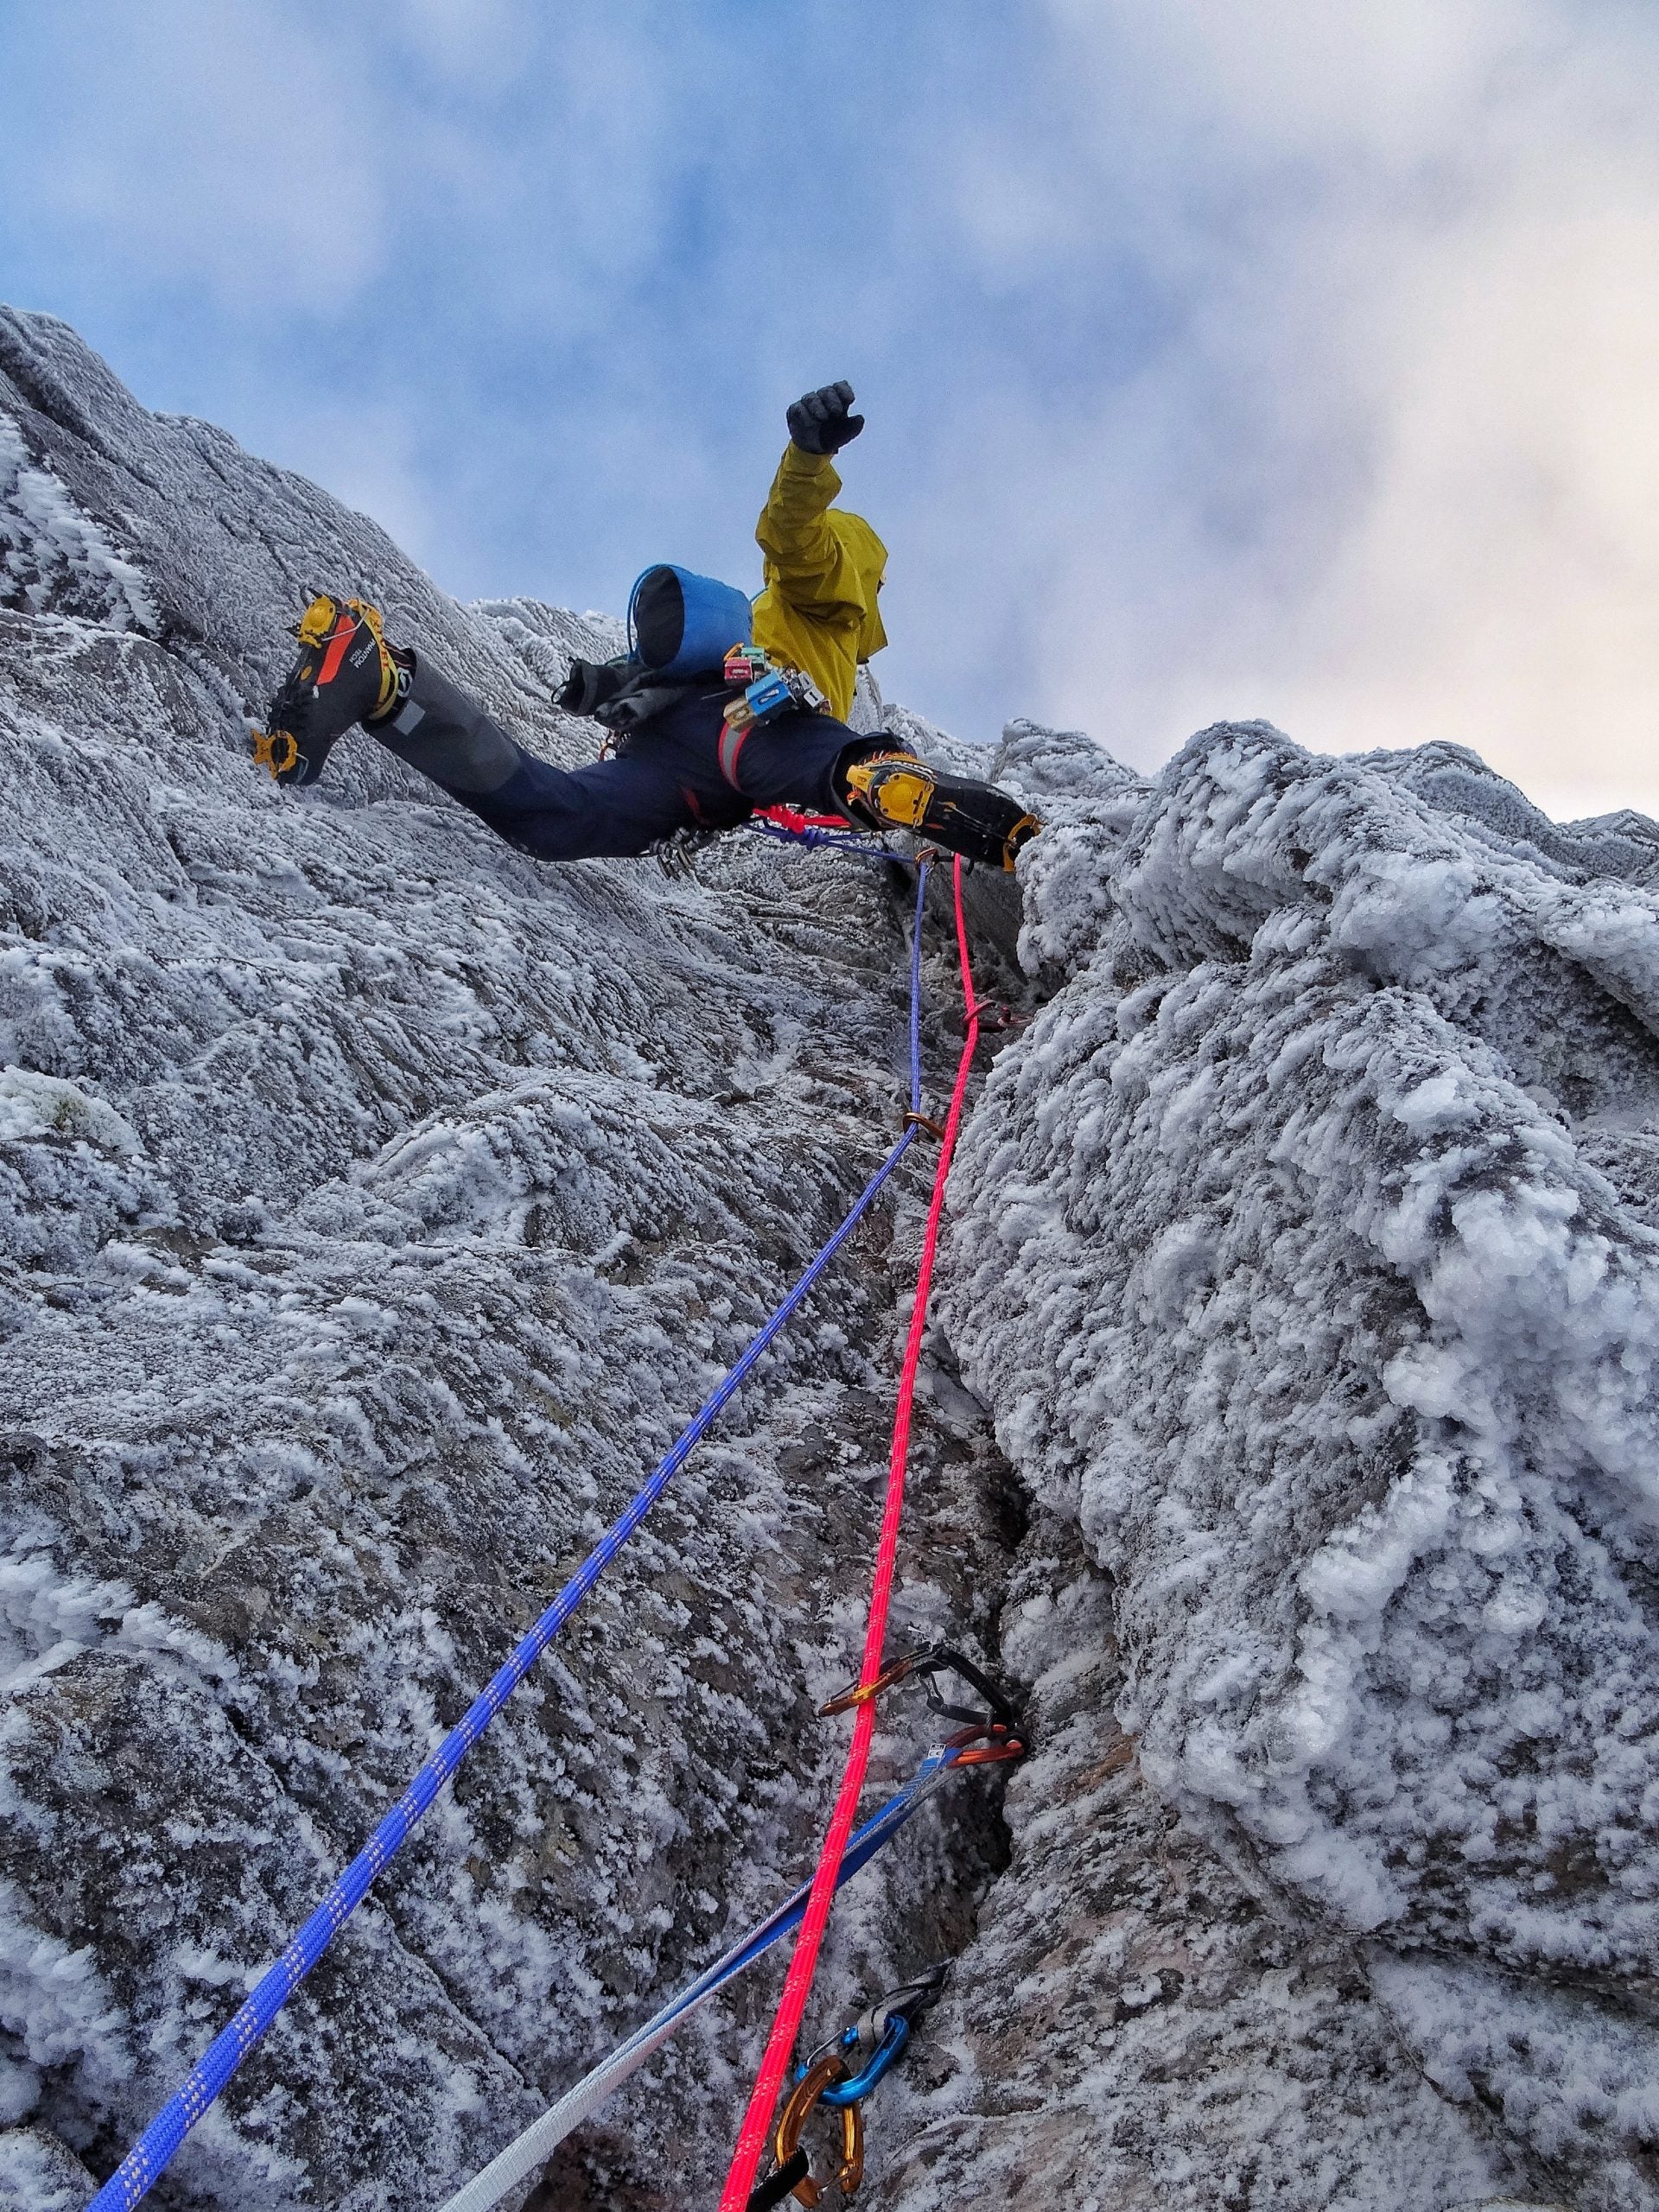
{"x":807,"y":559}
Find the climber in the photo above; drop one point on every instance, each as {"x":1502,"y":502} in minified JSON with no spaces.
{"x":716,"y":709}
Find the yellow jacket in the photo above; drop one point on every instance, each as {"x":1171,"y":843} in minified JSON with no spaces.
{"x":818,"y":611}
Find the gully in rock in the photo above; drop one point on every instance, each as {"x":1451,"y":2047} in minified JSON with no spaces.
{"x":717,"y":708}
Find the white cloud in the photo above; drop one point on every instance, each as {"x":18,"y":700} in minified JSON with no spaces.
{"x":279,"y":156}
{"x":1389,"y":468}
{"x":1292,"y":360}
{"x":369,"y":457}
{"x":204,"y":148}
{"x":485,"y":44}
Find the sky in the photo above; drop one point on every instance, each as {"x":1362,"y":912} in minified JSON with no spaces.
{"x":1296,"y":358}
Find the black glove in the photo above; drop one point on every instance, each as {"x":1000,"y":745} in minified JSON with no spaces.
{"x":819,"y":420}
{"x":590,"y":685}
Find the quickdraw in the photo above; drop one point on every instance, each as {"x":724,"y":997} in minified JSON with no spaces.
{"x":880,"y":2032}
{"x":876,"y":2038}
{"x":532,"y":2149}
{"x":828,"y":2068}
{"x":1001,"y":1717}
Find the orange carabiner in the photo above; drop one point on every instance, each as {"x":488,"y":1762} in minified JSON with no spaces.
{"x":1005,"y":1745}
{"x":862,"y":1693}
{"x":822,"y":2075}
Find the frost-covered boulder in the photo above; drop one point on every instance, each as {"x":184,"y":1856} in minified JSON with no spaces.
{"x":1307,"y":1249}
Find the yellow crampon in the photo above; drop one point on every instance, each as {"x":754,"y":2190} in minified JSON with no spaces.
{"x":323,"y":625}
{"x":894,"y":785}
{"x":276,"y":751}
{"x":328,"y":627}
{"x":319,"y":618}
{"x":964,"y":816}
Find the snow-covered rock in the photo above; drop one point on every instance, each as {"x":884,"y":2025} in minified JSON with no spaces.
{"x":375,"y":1205}
{"x":1307,"y":1251}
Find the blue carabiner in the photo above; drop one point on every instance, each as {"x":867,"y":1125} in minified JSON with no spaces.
{"x":858,"y":2086}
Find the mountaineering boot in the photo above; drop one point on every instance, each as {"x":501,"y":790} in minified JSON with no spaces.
{"x":345,"y":673}
{"x":898,"y":791}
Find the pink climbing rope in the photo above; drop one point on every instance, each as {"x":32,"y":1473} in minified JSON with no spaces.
{"x":792,"y":819}
{"x":752,"y":2137}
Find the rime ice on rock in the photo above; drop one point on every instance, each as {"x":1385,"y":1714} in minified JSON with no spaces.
{"x":1307,"y":1250}
{"x":375,"y":1205}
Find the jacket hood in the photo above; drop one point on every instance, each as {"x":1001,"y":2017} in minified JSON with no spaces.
{"x":857,"y":576}
{"x":866,"y":557}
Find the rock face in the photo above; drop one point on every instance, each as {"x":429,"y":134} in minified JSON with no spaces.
{"x":376,"y":1206}
{"x":1306,"y":1250}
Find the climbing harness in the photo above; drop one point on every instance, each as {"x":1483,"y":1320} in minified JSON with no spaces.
{"x":769,"y":691}
{"x":542,"y":2137}
{"x":757,"y":2120}
{"x":876,"y":2038}
{"x":148,"y":2158}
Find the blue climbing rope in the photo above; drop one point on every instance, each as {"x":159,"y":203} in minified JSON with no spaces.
{"x":835,"y":841}
{"x":916,"y":993}
{"x":151,"y":2155}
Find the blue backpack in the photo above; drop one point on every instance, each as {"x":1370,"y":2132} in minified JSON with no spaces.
{"x":681,"y":624}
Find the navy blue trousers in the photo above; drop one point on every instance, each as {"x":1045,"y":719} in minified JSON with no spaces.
{"x":666,"y":777}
